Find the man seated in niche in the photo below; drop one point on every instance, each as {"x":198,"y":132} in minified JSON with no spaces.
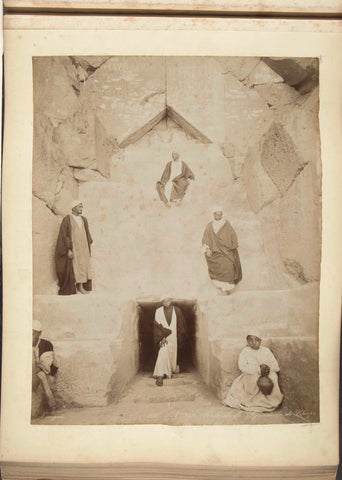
{"x":174,"y":181}
{"x":73,"y":253}
{"x":44,"y":367}
{"x":220,"y":246}
{"x":169,"y":334}
{"x":257,"y":388}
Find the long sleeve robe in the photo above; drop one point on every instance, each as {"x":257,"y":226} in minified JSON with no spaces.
{"x":176,"y":335}
{"x":244,"y":393}
{"x":224,"y":264}
{"x":64,"y":265}
{"x":179,"y":183}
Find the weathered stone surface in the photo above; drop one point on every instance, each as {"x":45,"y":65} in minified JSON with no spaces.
{"x":45,"y":227}
{"x":54,"y":95}
{"x":88,"y":175}
{"x":301,"y":73}
{"x":260,"y":189}
{"x":95,"y":342}
{"x":243,"y":110}
{"x":262,"y":74}
{"x":301,"y":123}
{"x":240,"y":67}
{"x":300,"y":225}
{"x":66,"y":192}
{"x":280,"y":158}
{"x":48,"y":160}
{"x":277,"y":94}
{"x":126,"y":93}
{"x":104,"y":149}
{"x":90,"y":63}
{"x":202,"y":90}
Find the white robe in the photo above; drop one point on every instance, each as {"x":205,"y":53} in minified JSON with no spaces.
{"x":244,"y":392}
{"x":166,"y":363}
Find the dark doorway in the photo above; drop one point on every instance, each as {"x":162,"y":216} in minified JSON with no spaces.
{"x":148,"y":351}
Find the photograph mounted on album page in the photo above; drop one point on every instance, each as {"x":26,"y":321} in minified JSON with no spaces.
{"x":171,"y":241}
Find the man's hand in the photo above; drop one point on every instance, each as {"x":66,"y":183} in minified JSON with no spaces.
{"x":162,"y":342}
{"x":70,"y":254}
{"x":264,"y":369}
{"x":209,"y":253}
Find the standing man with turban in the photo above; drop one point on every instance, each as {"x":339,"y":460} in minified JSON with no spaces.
{"x":220,"y":245}
{"x":73,"y":253}
{"x":180,"y":175}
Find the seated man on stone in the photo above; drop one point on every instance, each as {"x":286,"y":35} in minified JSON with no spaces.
{"x":44,"y":367}
{"x":172,"y":192}
{"x":169,"y":334}
{"x":73,"y":253}
{"x":257,"y":388}
{"x":219,"y":245}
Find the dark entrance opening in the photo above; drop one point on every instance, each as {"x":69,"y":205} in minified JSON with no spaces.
{"x":148,"y":351}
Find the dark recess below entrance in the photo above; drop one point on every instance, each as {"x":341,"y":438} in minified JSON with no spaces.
{"x":148,"y":351}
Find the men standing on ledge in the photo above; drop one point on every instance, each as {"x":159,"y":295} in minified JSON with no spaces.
{"x":169,"y":334}
{"x":73,"y":254}
{"x":180,"y":175}
{"x":220,"y":248}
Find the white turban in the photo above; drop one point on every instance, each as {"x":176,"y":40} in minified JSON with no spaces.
{"x":253,"y":331}
{"x":217,"y":208}
{"x":37,"y":326}
{"x":74,"y":203}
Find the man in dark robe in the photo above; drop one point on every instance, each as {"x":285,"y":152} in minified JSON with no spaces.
{"x":73,"y":253}
{"x":180,"y":175}
{"x":170,"y":333}
{"x":220,"y":245}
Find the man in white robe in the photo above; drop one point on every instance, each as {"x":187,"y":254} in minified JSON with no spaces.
{"x":169,"y":332}
{"x":254,"y":361}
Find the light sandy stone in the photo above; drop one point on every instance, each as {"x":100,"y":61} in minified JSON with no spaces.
{"x":300,"y":224}
{"x":280,"y":158}
{"x":95,"y":341}
{"x":260,"y":189}
{"x":45,"y":227}
{"x":66,"y":192}
{"x":126,"y":94}
{"x":88,"y":175}
{"x":262,"y":74}
{"x":240,"y":67}
{"x":277,"y":94}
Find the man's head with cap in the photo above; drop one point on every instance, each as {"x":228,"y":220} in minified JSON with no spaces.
{"x":175,"y":155}
{"x":76,"y":207}
{"x":253,"y":338}
{"x":217,"y":212}
{"x":37,"y":330}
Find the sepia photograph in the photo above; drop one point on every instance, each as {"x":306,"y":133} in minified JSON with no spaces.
{"x":176,"y":240}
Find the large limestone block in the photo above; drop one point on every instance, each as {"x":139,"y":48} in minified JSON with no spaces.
{"x":66,"y":192}
{"x":246,"y":118}
{"x":45,"y":227}
{"x":88,"y":175}
{"x":301,"y":73}
{"x":298,"y":377}
{"x":240,"y":67}
{"x":48,"y":160}
{"x":126,"y":93}
{"x":54,"y":95}
{"x":301,"y":122}
{"x":262,"y":74}
{"x":300,"y":226}
{"x":277,"y":94}
{"x":195,"y":86}
{"x":280,"y":157}
{"x":260,"y":189}
{"x":274,"y":312}
{"x":95,"y":340}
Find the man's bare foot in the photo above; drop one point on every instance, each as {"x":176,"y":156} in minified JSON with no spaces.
{"x":167,"y":205}
{"x":159,"y":381}
{"x":81,"y":289}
